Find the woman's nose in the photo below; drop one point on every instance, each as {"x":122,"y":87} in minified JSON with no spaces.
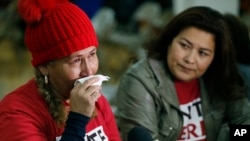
{"x":190,"y":57}
{"x":86,"y":69}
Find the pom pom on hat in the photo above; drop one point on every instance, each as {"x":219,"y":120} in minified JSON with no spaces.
{"x":31,"y":10}
{"x":55,"y":29}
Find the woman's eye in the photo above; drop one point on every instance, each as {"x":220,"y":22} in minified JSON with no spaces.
{"x":184,"y":45}
{"x":202,"y":53}
{"x":92,"y":54}
{"x":77,"y":60}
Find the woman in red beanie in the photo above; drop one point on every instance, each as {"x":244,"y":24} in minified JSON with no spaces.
{"x":63,"y":44}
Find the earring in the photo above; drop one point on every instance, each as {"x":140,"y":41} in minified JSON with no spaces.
{"x":46,"y":79}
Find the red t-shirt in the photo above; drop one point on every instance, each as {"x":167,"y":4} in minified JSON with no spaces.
{"x":24,"y":116}
{"x":190,"y":104}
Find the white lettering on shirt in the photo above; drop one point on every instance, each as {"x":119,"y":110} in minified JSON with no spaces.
{"x":96,"y":134}
{"x":193,"y":124}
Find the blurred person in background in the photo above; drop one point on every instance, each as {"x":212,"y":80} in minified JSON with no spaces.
{"x":188,"y":86}
{"x":241,"y":43}
{"x":63,"y":45}
{"x":90,"y":7}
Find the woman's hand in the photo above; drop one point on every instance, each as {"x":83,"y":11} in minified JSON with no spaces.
{"x":83,"y":97}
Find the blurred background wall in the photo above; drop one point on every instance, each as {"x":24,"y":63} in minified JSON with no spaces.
{"x":223,"y":6}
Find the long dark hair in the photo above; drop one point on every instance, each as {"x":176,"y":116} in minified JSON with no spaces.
{"x":240,"y":38}
{"x":221,"y":79}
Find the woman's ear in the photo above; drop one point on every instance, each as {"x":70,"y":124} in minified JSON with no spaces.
{"x":43,"y":69}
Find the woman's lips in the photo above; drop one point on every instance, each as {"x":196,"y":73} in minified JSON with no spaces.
{"x":185,"y":69}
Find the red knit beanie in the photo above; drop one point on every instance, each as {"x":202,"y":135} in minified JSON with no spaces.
{"x":55,"y":29}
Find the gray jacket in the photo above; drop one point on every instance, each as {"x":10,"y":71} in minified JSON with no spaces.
{"x":146,"y":96}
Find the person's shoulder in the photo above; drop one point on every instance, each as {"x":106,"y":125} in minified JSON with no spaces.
{"x":139,"y":66}
{"x":243,"y":66}
{"x":23,"y":96}
{"x":244,"y":70}
{"x":19,"y":90}
{"x":102,"y":101}
{"x":103,"y":105}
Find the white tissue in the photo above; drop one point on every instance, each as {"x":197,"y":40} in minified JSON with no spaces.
{"x":101,"y":79}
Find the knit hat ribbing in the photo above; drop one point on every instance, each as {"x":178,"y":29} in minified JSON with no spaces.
{"x":55,"y":31}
